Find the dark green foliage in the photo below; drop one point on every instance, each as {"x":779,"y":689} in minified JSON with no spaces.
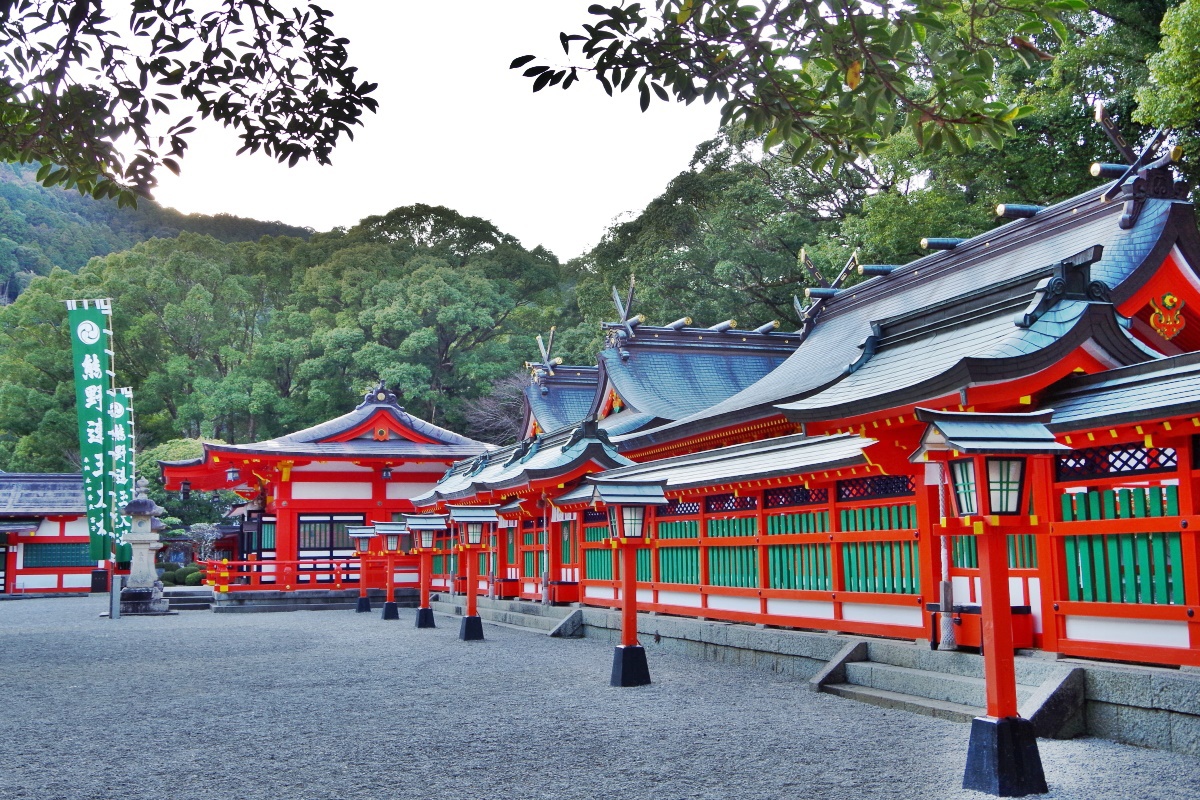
{"x":246,"y":341}
{"x":194,"y":579}
{"x":73,"y":82}
{"x":44,"y":227}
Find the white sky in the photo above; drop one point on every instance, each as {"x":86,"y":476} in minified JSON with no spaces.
{"x":457,"y":128}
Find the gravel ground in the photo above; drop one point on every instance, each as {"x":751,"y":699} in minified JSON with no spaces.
{"x":335,"y":705}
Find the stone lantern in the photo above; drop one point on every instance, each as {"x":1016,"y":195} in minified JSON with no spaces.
{"x":143,"y":593}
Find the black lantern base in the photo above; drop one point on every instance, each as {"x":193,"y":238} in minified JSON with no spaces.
{"x":364,"y":605}
{"x":1003,"y":758}
{"x":629,"y":666}
{"x":470,"y":629}
{"x":391,"y":610}
{"x":425,"y":618}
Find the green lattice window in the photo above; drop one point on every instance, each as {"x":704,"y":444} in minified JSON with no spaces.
{"x":887,"y":567}
{"x":879,"y":518}
{"x":808,"y":522}
{"x":679,"y":565}
{"x":683,"y":529}
{"x":1134,"y":503}
{"x":1022,"y":551}
{"x":595,"y":534}
{"x":645,"y":572}
{"x":598,"y":564}
{"x":733,"y":566}
{"x":57,"y":554}
{"x":800,"y":566}
{"x":267,"y":536}
{"x":1125,"y":568}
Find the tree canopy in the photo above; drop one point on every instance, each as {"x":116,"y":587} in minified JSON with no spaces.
{"x":73,"y":81}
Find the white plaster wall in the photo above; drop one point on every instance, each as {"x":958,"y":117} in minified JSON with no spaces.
{"x":887,"y":615}
{"x":816,"y":609}
{"x":1162,"y":633}
{"x":331,"y":491}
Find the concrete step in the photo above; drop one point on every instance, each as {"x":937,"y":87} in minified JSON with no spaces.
{"x":519,"y":615}
{"x":943,"y":687}
{"x":190,"y":603}
{"x":1030,"y":671}
{"x":258,"y":608}
{"x":942,"y":709}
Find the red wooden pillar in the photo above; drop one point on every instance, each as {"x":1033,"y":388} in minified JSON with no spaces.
{"x":998,"y":663}
{"x":1050,"y":559}
{"x":1189,"y":536}
{"x":629,"y":595}
{"x":424,"y":578}
{"x":471,"y":628}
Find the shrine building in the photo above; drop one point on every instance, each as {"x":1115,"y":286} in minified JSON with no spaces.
{"x":802,"y":491}
{"x":304,"y":490}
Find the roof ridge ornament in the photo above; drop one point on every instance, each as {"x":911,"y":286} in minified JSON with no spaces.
{"x":1143,"y":178}
{"x":380,"y":396}
{"x":821,"y":295}
{"x":544,"y":368}
{"x":616,"y":332}
{"x":1072,"y":280}
{"x":588,"y":429}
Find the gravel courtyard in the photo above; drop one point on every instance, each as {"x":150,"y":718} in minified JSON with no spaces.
{"x":336,"y":705}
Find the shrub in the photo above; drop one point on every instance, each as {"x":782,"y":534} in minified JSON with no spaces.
{"x":167,"y":583}
{"x":194,"y":578}
{"x":170,"y":575}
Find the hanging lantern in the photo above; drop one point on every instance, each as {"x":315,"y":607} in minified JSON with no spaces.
{"x":473,"y":533}
{"x":966,"y":493}
{"x":427,"y":539}
{"x":386,"y":472}
{"x":626,"y":521}
{"x":185,"y":490}
{"x":1006,"y":484}
{"x":233,"y":475}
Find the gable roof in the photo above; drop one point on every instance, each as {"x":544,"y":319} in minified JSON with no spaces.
{"x":761,"y":460}
{"x":665,"y":373}
{"x":25,"y":494}
{"x":353,"y":435}
{"x":1169,"y":387}
{"x":513,"y":467}
{"x":560,"y":398}
{"x":1003,"y":254}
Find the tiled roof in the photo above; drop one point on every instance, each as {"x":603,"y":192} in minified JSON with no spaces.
{"x":32,"y":494}
{"x":312,"y":442}
{"x":770,"y":458}
{"x":668,"y":374}
{"x":562,"y":399}
{"x":515,"y":466}
{"x":1011,"y":250}
{"x":1169,"y":387}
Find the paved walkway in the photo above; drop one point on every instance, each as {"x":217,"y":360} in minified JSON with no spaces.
{"x":334,"y":705}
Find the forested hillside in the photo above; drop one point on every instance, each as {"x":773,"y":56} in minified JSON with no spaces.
{"x":244,"y":340}
{"x":41,"y":228}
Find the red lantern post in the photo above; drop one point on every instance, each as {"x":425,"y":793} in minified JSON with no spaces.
{"x":988,"y":457}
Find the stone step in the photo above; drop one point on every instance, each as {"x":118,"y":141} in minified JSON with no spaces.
{"x":499,"y":615}
{"x":527,"y":607}
{"x":940,"y":686}
{"x":942,"y":709}
{"x":258,"y":608}
{"x":1030,"y":671}
{"x":190,"y":603}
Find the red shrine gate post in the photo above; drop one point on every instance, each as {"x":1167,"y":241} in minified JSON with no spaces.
{"x":424,"y":527}
{"x":626,"y":502}
{"x":471,"y":521}
{"x":988,"y":457}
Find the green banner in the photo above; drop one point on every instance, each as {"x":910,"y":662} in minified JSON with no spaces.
{"x":92,"y":357}
{"x":121,"y":466}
